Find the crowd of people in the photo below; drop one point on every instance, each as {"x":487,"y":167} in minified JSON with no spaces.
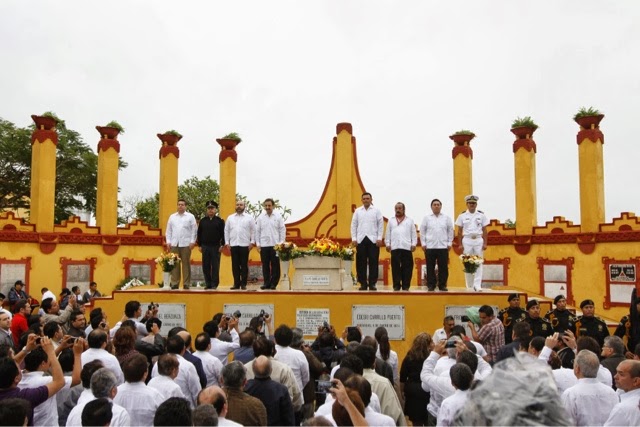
{"x":63,"y":371}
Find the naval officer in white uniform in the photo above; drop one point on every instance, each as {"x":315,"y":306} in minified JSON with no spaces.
{"x":472,"y":232}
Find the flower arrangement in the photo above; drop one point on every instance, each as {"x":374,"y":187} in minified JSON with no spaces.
{"x":287,"y":251}
{"x":324,"y":247}
{"x":471,"y":263}
{"x":129,"y":282}
{"x":347,"y":253}
{"x":167,"y":260}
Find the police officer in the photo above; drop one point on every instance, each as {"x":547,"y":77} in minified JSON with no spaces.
{"x":540,"y":327}
{"x":510,"y":315}
{"x":472,"y":232}
{"x":561,"y":319}
{"x":590,"y":325}
{"x":630,"y":325}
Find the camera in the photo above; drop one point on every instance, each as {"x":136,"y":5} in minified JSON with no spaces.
{"x":153,"y":306}
{"x":103,"y":325}
{"x":38,"y":340}
{"x":465,"y":319}
{"x":450,"y":344}
{"x":237,"y":314}
{"x":324,"y":386}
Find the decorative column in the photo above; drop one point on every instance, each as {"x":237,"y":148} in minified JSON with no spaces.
{"x":228,"y":159}
{"x":107,"y":191}
{"x":344,"y":149}
{"x":169,"y":155}
{"x":524,"y":153}
{"x":462,"y":170}
{"x":591,"y":166}
{"x":44,"y":142}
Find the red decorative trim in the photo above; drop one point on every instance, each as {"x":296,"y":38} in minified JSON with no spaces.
{"x":42,"y":135}
{"x":226,"y":143}
{"x":66,"y":262}
{"x":304,"y":242}
{"x":344,"y":126}
{"x":333,"y":212}
{"x":505,"y":262}
{"x":589,"y":122}
{"x":523,"y":132}
{"x":110,"y":249}
{"x":228,"y":154}
{"x":593,"y":135}
{"x":108,"y":132}
{"x":44,"y":122}
{"x":134,"y":240}
{"x":137,"y":223}
{"x":465,"y":150}
{"x":169,"y":139}
{"x":522,"y":244}
{"x":128,"y":262}
{"x":527,"y":144}
{"x":587,"y":243}
{"x":606,"y":262}
{"x":165,"y":150}
{"x":27,"y":269}
{"x":105,"y":144}
{"x":462,"y":140}
{"x":568,"y":262}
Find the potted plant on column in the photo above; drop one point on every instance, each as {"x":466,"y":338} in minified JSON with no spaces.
{"x":171,"y":137}
{"x":230,"y":140}
{"x":111,"y":130}
{"x":462,"y":137}
{"x":523,"y":127}
{"x":588,"y":118}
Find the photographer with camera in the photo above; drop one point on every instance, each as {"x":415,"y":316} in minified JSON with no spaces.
{"x":262,"y":324}
{"x":327,"y":347}
{"x":219,"y":348}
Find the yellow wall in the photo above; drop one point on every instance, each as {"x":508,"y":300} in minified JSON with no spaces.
{"x":168,"y":189}
{"x":107,"y":196}
{"x":526,"y":205}
{"x":591,"y":166}
{"x":462,"y":182}
{"x":43,"y":177}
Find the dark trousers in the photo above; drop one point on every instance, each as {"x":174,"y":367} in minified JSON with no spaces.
{"x":240,"y":265}
{"x":270,"y":266}
{"x":401,"y":268}
{"x":211,"y":265}
{"x":367,"y":255}
{"x":441,"y":257}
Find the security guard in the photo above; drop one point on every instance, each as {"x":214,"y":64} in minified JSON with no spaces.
{"x":472,"y":232}
{"x":630,"y":325}
{"x":561,"y":319}
{"x":590,"y":325}
{"x":510,"y":315}
{"x":540,"y":327}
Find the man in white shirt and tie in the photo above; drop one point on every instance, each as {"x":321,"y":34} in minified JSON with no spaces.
{"x":367,"y":226}
{"x":270,"y":231}
{"x":239,"y":236}
{"x":436,"y":236}
{"x":401,"y":239}
{"x":181,"y":239}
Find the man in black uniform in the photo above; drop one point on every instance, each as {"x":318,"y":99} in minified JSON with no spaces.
{"x":590,"y":325}
{"x":540,"y":327}
{"x":630,"y":325}
{"x":510,"y":315}
{"x":561,"y":319}
{"x":210,"y":240}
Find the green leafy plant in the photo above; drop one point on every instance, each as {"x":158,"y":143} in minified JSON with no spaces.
{"x":51,"y":115}
{"x":233,"y":135}
{"x":524,"y":122}
{"x":115,"y":125}
{"x":464,"y":132}
{"x":173,"y":132}
{"x":587,"y":112}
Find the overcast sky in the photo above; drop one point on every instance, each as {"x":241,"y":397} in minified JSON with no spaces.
{"x":283,"y":74}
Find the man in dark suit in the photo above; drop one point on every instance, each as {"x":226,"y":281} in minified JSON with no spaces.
{"x":521,"y":337}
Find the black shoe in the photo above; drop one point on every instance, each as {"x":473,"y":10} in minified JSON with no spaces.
{"x":263,"y":287}
{"x":235,"y":288}
{"x":214,"y":287}
{"x":431,"y":289}
{"x":362,"y":288}
{"x":396,"y":288}
{"x":443,"y":289}
{"x":373,"y":288}
{"x":405,"y":289}
{"x":175,"y":286}
{"x":186,"y":288}
{"x":244,"y":288}
{"x":273,"y":287}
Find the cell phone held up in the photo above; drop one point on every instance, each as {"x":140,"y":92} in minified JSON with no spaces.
{"x":450,"y":344}
{"x":324,"y":386}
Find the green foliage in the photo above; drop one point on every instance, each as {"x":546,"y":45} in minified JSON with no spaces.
{"x":464,"y":132}
{"x":509,"y":223}
{"x":52,"y":115}
{"x":233,"y":135}
{"x":196,"y":191}
{"x":524,"y":122}
{"x":76,"y":170}
{"x":115,"y":125}
{"x":586,"y":112}
{"x":173,"y":132}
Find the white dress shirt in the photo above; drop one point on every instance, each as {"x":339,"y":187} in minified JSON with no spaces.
{"x":282,"y":374}
{"x":212,"y":367}
{"x":239,"y":230}
{"x":626,"y":413}
{"x":45,"y":414}
{"x":589,"y":402}
{"x":565,"y":378}
{"x":221,"y":349}
{"x":367,"y":223}
{"x":108,"y":359}
{"x":223,"y":422}
{"x":439,"y":335}
{"x":181,"y":230}
{"x":450,"y":406}
{"x":166,"y":387}
{"x":401,"y":234}
{"x":389,"y":403}
{"x":270,"y":229}
{"x":140,"y":401}
{"x":120,"y":416}
{"x":436,"y":231}
{"x":297,"y":361}
{"x":187,"y":379}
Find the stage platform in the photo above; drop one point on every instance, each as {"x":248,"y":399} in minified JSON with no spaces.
{"x":404,"y":313}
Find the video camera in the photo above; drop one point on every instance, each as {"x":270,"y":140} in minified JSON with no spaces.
{"x":153,"y":306}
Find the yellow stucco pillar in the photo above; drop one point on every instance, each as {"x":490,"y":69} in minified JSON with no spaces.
{"x":107,"y":191}
{"x":591,"y":166}
{"x":462,"y":171}
{"x":169,"y":155}
{"x":345,"y":175}
{"x":524,"y":153}
{"x":44,"y":142}
{"x":228,"y":159}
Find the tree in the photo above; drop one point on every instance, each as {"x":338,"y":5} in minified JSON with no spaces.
{"x":76,"y":170}
{"x":196,"y":193}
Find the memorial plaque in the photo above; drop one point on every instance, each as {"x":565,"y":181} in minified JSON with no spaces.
{"x":369,"y":317}
{"x":78,"y":275}
{"x":248,"y":311}
{"x":309,"y":319}
{"x":172,"y":315}
{"x":140,"y":271}
{"x":622,"y":273}
{"x":315,"y":280}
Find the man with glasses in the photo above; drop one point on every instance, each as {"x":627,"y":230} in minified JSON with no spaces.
{"x":472,"y":232}
{"x":211,"y":240}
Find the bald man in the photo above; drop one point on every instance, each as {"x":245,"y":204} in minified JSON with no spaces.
{"x":273,"y":395}
{"x":216,"y":397}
